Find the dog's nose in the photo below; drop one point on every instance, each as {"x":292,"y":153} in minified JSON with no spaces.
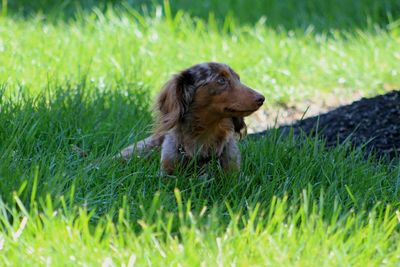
{"x":259,"y":99}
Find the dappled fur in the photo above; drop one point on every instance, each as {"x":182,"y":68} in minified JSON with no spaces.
{"x":200,"y":111}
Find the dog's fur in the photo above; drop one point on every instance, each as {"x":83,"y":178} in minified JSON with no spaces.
{"x":199,"y":112}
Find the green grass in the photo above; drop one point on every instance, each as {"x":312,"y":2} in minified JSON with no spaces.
{"x":324,"y":15}
{"x":286,"y":65}
{"x":86,"y":79}
{"x":293,"y":203}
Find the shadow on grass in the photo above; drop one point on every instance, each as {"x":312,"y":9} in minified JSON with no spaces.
{"x":40,"y":136}
{"x":370,"y":123}
{"x":322,"y":15}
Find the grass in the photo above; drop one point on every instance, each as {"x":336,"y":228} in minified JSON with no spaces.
{"x":294,"y":199}
{"x":324,"y":15}
{"x":87,"y":81}
{"x":286,"y":65}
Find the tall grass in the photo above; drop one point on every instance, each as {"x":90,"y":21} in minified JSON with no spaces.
{"x":293,"y":203}
{"x":278,"y":236}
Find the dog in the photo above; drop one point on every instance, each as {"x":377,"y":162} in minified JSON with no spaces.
{"x":200,"y":114}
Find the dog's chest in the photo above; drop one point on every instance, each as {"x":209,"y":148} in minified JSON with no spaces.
{"x":203,"y":148}
{"x":205,"y":141}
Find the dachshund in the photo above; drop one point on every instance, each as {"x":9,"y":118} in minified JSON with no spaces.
{"x":200,"y":114}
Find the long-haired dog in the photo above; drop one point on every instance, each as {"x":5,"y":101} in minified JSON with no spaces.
{"x":200,"y":113}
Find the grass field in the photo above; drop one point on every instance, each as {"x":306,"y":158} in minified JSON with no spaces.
{"x":83,"y":75}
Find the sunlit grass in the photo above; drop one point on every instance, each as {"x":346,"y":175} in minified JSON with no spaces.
{"x":286,"y":65}
{"x":277,"y":236}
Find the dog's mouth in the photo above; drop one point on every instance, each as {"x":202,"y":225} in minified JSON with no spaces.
{"x":236,"y":111}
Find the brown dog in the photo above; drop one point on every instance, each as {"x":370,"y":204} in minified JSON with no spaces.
{"x":199,"y":112}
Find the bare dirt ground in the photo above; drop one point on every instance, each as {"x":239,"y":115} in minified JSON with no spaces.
{"x":370,"y":122}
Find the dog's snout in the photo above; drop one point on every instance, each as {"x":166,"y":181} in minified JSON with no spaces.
{"x":259,"y":99}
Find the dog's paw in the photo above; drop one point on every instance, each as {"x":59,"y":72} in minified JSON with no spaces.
{"x":164,"y":174}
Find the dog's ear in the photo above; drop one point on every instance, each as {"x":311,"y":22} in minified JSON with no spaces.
{"x":174,"y":99}
{"x":239,"y":126}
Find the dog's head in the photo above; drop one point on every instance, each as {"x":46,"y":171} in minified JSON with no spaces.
{"x":209,"y":88}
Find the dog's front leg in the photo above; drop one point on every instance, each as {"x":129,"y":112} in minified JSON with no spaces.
{"x":142,"y":147}
{"x":169,"y":154}
{"x":230,"y":157}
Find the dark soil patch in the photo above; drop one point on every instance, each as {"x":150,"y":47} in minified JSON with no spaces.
{"x":370,"y":122}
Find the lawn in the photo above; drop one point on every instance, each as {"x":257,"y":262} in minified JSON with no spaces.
{"x":83,"y":75}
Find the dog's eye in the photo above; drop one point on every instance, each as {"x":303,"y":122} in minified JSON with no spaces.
{"x":221,"y":80}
